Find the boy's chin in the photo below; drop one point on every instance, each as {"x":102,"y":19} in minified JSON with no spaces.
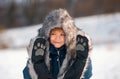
{"x":58,"y":46}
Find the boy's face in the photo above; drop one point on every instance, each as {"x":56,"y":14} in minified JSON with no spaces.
{"x":57,"y":37}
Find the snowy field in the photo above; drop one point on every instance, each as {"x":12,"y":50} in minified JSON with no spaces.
{"x":105,"y":60}
{"x":103,"y":29}
{"x":12,"y":62}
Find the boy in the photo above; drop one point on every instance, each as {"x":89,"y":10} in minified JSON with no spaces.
{"x":60,"y":51}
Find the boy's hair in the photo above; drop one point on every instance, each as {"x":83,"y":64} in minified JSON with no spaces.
{"x":55,"y":29}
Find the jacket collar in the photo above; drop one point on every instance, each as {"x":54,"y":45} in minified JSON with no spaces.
{"x":54,"y":50}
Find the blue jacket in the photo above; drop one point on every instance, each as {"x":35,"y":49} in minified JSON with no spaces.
{"x":57,"y":56}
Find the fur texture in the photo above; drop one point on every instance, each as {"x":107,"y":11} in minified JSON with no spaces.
{"x":61,"y":19}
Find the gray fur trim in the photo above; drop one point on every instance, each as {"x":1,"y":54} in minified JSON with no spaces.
{"x":31,"y":70}
{"x":47,"y":58}
{"x":89,"y":53}
{"x":61,"y":19}
{"x":64,"y":67}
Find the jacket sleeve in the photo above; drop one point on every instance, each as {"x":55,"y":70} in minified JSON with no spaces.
{"x":87,"y":70}
{"x":79,"y":68}
{"x":26,"y":74}
{"x":36,"y":69}
{"x":29,"y":71}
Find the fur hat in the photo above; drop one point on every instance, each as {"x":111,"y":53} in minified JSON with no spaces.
{"x":60,"y":18}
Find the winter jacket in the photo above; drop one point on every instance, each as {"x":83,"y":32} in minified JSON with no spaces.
{"x":73,"y":66}
{"x":57,"y":56}
{"x":55,"y":67}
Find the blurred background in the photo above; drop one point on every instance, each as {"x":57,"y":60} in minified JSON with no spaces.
{"x":21,"y":19}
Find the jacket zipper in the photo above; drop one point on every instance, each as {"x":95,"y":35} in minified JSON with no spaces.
{"x":58,"y":59}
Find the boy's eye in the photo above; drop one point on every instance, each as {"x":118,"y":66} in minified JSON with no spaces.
{"x":62,"y":34}
{"x":52,"y":33}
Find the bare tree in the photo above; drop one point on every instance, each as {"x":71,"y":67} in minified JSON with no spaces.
{"x":35,"y":11}
{"x":11,"y":15}
{"x":99,"y":6}
{"x":71,"y":4}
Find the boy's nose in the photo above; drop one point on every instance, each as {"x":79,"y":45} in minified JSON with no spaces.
{"x":57,"y":37}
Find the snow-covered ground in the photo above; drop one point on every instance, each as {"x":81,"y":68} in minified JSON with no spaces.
{"x":103,"y":29}
{"x":12,"y":62}
{"x":18,"y":37}
{"x":105,"y":60}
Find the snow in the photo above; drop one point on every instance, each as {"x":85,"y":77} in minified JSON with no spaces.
{"x":12,"y":62}
{"x":103,"y":29}
{"x":105,"y":60}
{"x":101,"y":26}
{"x":18,"y":37}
